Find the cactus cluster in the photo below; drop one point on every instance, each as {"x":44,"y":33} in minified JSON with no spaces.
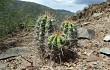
{"x":60,"y":40}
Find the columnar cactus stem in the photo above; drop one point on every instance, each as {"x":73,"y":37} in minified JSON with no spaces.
{"x":44,"y":28}
{"x":69,"y":29}
{"x":57,"y":41}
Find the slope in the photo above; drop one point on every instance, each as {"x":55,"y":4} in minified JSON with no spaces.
{"x":18,"y":15}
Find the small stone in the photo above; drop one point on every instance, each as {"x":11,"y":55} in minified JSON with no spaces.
{"x":2,"y":66}
{"x":83,"y":57}
{"x":105,"y":50}
{"x":86,"y":23}
{"x":101,"y":56}
{"x":88,"y":53}
{"x":97,"y":14}
{"x":93,"y":58}
{"x":83,"y":42}
{"x":108,"y":63}
{"x":107,"y":38}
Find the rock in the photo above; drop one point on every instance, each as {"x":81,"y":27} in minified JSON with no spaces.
{"x":108,"y":0}
{"x":8,"y":44}
{"x":105,"y":50}
{"x":83,"y":42}
{"x":31,"y":68}
{"x":88,"y":52}
{"x":97,"y":14}
{"x":12,"y":52}
{"x":84,"y":33}
{"x":107,"y":38}
{"x":85,"y":23}
{"x":101,"y":55}
{"x":2,"y":66}
{"x":93,"y":58}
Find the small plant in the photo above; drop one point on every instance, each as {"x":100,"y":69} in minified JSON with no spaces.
{"x":69,"y":29}
{"x":60,"y":48}
{"x":44,"y":27}
{"x":57,"y":41}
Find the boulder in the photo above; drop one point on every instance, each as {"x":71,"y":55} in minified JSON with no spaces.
{"x":12,"y":52}
{"x":84,"y":33}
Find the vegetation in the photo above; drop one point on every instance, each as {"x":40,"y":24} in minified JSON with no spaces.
{"x":57,"y":45}
{"x":57,"y":41}
{"x":18,"y":15}
{"x":44,"y":27}
{"x":69,"y":28}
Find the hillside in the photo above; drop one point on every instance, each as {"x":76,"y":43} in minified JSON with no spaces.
{"x":64,"y":12}
{"x":21,"y":52}
{"x":17,"y":15}
{"x":98,"y":9}
{"x":36,"y":9}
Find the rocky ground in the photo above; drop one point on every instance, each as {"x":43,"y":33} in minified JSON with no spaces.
{"x":24,"y":53}
{"x":94,"y":10}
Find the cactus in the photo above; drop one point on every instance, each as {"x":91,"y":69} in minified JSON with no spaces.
{"x":60,"y":48}
{"x":45,"y":25}
{"x":69,"y":29}
{"x":57,"y":41}
{"x":44,"y":28}
{"x":57,"y":45}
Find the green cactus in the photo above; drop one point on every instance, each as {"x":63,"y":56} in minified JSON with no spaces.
{"x":45,"y":26}
{"x":69,"y":29}
{"x":57,"y":41}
